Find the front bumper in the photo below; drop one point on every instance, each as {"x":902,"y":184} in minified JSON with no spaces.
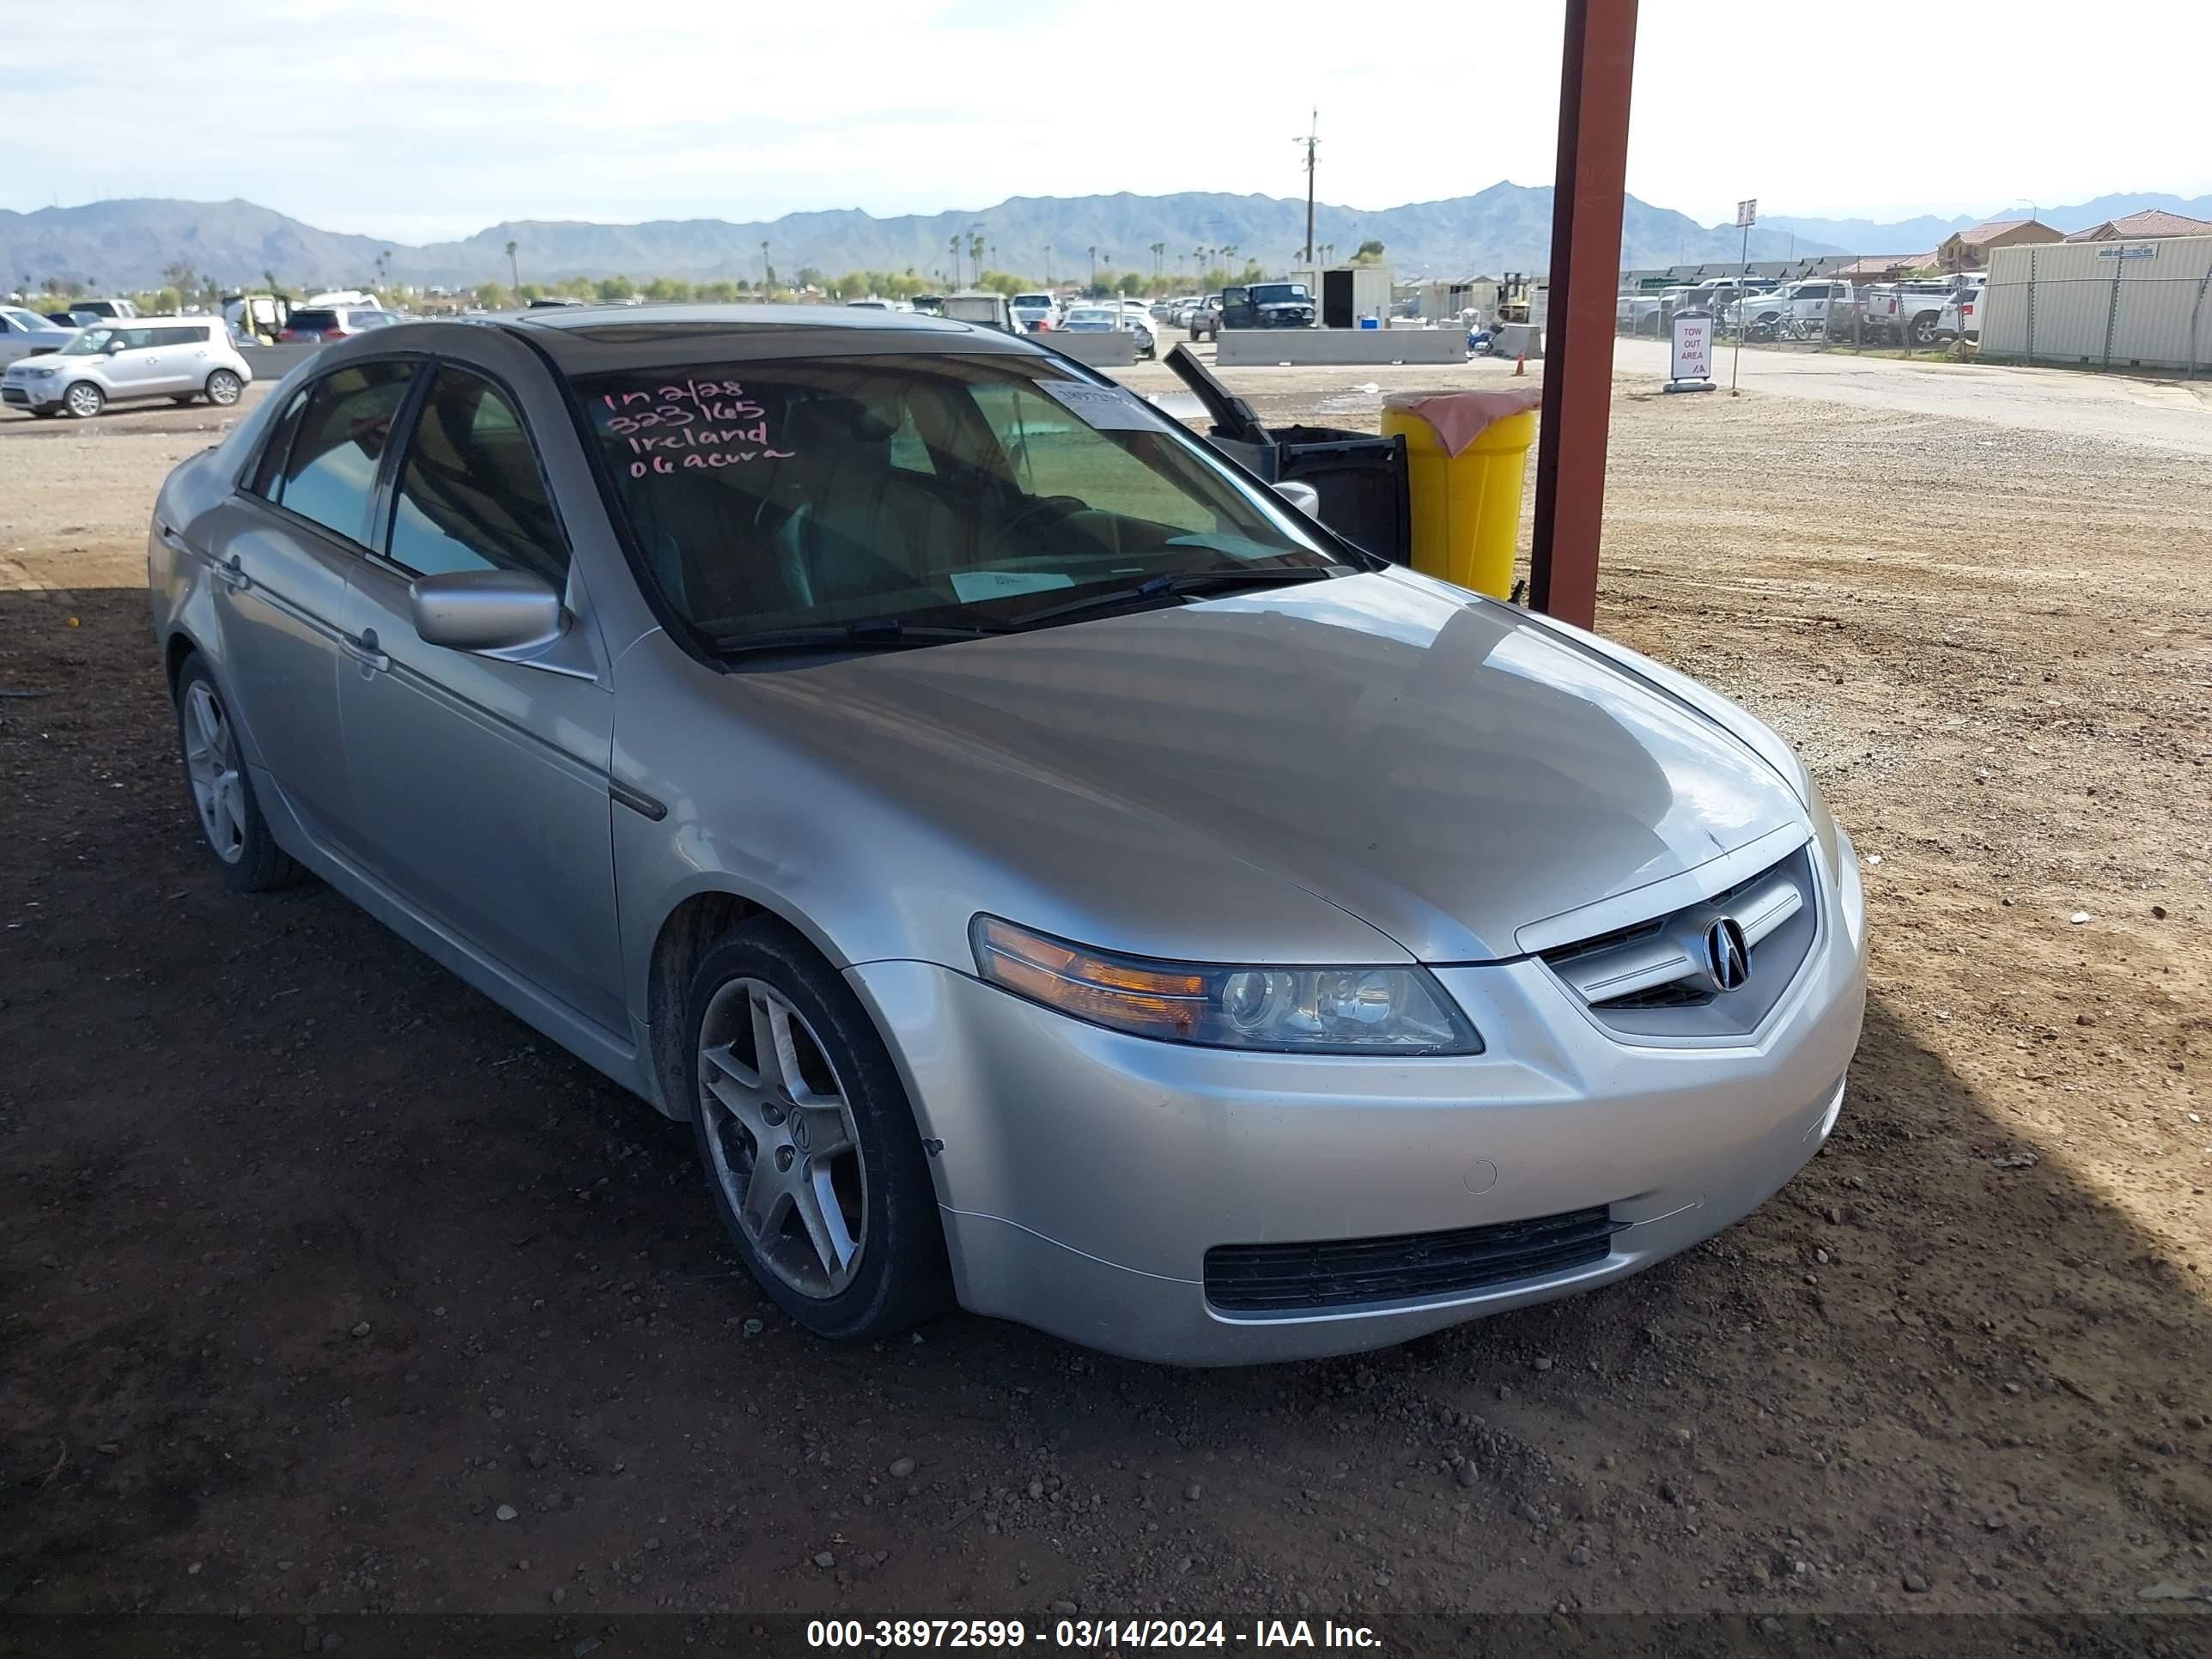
{"x":1082,"y":1175}
{"x":32,"y":394}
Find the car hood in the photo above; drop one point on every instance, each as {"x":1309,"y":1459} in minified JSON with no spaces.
{"x":1448,"y":770}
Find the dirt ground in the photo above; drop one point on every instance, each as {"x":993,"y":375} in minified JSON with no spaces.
{"x":312,"y":1259}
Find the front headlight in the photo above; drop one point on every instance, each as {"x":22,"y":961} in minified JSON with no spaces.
{"x":1322,"y":1010}
{"x":40,"y":374}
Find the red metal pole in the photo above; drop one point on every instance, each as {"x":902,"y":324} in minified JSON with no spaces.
{"x":1597,"y":67}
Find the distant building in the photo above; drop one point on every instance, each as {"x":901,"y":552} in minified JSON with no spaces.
{"x":1970,"y":249}
{"x":2147,"y":226}
{"x":1883,"y":267}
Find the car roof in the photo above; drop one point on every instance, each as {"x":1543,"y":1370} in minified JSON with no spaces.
{"x":593,"y":340}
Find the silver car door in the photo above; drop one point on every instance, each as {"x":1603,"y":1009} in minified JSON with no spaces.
{"x":134,"y":368}
{"x":480,"y":782}
{"x":284,"y":548}
{"x":185,"y":366}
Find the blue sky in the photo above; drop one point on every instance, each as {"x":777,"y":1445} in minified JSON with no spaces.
{"x":416,"y":119}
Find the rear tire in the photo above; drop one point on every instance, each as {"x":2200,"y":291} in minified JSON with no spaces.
{"x":790,"y":1085}
{"x":222,"y":388}
{"x":221,"y":788}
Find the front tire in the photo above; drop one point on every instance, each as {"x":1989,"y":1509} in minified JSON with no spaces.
{"x":220,"y":789}
{"x":83,"y":400}
{"x":223,"y":388}
{"x":807,"y":1140}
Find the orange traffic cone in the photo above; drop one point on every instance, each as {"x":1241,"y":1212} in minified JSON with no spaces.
{"x":1520,"y":365}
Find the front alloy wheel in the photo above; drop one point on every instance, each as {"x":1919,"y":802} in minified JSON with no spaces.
{"x":807,"y":1140}
{"x":780,"y":1139}
{"x":84,"y":400}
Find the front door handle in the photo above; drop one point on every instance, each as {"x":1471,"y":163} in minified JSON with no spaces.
{"x":233,"y":574}
{"x":363,"y":650}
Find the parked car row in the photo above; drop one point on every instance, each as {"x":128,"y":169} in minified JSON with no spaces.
{"x":1925,"y":313}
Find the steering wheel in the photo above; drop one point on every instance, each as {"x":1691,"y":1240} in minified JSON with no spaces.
{"x":1057,"y":506}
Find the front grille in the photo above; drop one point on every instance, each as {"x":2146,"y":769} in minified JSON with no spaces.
{"x":1654,"y":978}
{"x":1352,"y":1273}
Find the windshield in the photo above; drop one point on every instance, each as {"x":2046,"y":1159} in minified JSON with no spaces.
{"x":94,"y":341}
{"x":928,"y":491}
{"x":1033,"y":301}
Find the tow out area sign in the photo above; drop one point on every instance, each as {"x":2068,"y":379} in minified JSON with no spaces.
{"x":1691,"y":369}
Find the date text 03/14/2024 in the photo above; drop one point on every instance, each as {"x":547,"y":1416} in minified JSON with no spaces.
{"x":877,"y":1635}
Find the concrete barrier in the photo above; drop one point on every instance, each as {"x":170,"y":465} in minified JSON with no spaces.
{"x":1117,"y":350}
{"x":1512,"y":339}
{"x":1340,"y":345}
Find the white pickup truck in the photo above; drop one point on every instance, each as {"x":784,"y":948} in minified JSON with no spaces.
{"x":1797,"y":308}
{"x":1908,"y":310}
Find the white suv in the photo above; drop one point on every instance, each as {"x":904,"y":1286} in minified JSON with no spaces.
{"x":177,"y":357}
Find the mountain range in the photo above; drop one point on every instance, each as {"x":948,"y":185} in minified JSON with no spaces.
{"x":129,"y":245}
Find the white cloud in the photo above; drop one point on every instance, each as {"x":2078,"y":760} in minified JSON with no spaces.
{"x":416,"y":118}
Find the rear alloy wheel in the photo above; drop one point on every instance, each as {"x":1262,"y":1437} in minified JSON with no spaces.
{"x":223,"y":388}
{"x":231,"y":825}
{"x":807,"y":1140}
{"x":83,"y":400}
{"x":1924,"y":332}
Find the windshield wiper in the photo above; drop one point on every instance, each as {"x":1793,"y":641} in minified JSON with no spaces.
{"x":1188,"y":585}
{"x":877,"y":634}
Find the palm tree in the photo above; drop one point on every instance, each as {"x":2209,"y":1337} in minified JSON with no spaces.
{"x":768,"y":271}
{"x":955,"y":245}
{"x":1093,"y":252}
{"x":513,"y":269}
{"x":976,"y":252}
{"x":1159,"y":254}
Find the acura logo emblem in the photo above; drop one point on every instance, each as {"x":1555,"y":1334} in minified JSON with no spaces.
{"x":1728,"y":958}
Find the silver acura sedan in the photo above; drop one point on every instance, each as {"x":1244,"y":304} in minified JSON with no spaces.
{"x":1051,"y":871}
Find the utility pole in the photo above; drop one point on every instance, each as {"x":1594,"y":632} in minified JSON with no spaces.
{"x":1312,"y":141}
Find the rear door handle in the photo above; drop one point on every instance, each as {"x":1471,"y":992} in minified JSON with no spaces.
{"x":364,"y":651}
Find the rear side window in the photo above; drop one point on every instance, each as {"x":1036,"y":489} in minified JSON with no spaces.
{"x":269,"y":471}
{"x":471,"y":496}
{"x":342,"y":434}
{"x":181,"y":337}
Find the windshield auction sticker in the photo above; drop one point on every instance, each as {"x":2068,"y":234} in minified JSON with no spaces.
{"x":1103,"y":408}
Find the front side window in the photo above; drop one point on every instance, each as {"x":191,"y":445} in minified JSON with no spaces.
{"x":93,"y":341}
{"x":932,"y":491}
{"x":342,"y":435}
{"x":470,"y":495}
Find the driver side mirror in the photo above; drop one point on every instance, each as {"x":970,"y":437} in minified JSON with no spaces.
{"x":1303,"y":496}
{"x":485,"y":610}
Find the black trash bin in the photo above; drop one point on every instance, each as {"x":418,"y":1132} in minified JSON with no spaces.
{"x":1360,"y":477}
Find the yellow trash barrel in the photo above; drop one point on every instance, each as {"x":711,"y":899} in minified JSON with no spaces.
{"x":1466,"y":456}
